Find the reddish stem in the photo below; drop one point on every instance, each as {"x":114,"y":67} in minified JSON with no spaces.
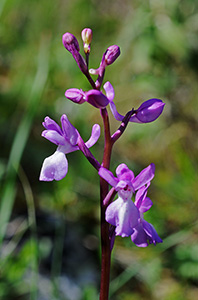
{"x":104,"y":188}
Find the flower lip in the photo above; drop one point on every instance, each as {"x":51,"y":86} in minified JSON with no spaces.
{"x":54,"y":167}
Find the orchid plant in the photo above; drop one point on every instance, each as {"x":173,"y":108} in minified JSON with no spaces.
{"x":123,"y":216}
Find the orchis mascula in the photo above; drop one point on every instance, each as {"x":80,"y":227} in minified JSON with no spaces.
{"x":126,"y":216}
{"x":123,"y":216}
{"x":56,"y":165}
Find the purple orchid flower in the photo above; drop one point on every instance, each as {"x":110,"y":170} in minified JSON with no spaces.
{"x":144,"y":233}
{"x":56,"y":165}
{"x":148,"y":111}
{"x":123,"y":213}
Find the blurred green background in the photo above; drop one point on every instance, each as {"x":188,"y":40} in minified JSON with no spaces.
{"x":49,"y":232}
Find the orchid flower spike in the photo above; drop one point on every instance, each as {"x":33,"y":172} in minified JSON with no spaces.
{"x":123,"y":213}
{"x":55,"y":167}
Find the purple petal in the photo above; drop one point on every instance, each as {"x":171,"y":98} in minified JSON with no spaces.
{"x":139,"y":236}
{"x":109,"y":91}
{"x":144,"y":177}
{"x":51,"y":125}
{"x":97,"y":99}
{"x":69,"y":130}
{"x":108,"y":176}
{"x":115,"y":113}
{"x":124,"y":173}
{"x":95,"y":134}
{"x":150,"y":110}
{"x":151,"y":233}
{"x":54,"y":137}
{"x":75,"y":95}
{"x":140,"y":196}
{"x":146,"y":205}
{"x":54,"y":167}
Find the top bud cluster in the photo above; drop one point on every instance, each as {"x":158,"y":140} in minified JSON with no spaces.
{"x":149,"y":111}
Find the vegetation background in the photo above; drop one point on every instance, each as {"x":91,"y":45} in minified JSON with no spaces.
{"x":49,"y":232}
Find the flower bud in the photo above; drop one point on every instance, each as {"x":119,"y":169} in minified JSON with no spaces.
{"x":70,"y":42}
{"x":149,"y":110}
{"x":75,"y":95}
{"x":97,"y":99}
{"x":86,"y":35}
{"x":111,"y":54}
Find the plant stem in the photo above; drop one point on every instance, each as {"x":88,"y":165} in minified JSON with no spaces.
{"x":104,"y":187}
{"x":90,"y":79}
{"x":122,"y":127}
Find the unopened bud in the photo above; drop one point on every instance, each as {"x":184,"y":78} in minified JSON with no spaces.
{"x":75,"y":95}
{"x":70,"y":42}
{"x":112,"y":54}
{"x":86,"y":35}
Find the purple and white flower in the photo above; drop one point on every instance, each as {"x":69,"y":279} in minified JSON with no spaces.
{"x":123,"y":213}
{"x":55,"y":167}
